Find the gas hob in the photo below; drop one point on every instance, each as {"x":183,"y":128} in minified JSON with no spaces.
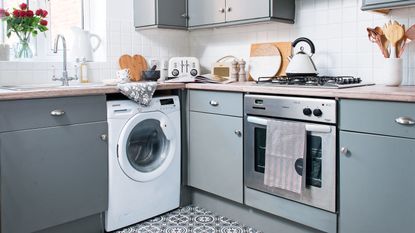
{"x":333,"y":82}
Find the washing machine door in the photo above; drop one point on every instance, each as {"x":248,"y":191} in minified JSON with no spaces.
{"x":146,"y":146}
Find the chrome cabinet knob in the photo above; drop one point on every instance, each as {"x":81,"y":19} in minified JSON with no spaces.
{"x":229,"y":9}
{"x":184,"y":16}
{"x":214,"y":103}
{"x":238,"y":133}
{"x":405,"y":121}
{"x":344,"y":151}
{"x":221,"y":10}
{"x":104,"y":137}
{"x":57,"y":112}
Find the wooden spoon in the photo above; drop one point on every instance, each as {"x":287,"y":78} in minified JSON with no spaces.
{"x":394,"y":32}
{"x":409,"y":36}
{"x":384,"y":41}
{"x":375,"y":38}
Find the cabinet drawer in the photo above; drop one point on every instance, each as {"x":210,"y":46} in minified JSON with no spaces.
{"x":224,"y":103}
{"x":378,"y":117}
{"x":37,"y":113}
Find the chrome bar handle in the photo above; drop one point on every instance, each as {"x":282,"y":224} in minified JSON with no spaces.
{"x":405,"y":121}
{"x":308,"y":127}
{"x":57,"y":112}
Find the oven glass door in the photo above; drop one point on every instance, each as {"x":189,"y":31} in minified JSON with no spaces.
{"x":320,"y":164}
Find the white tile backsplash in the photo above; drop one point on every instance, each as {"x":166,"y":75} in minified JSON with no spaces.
{"x":337,"y":27}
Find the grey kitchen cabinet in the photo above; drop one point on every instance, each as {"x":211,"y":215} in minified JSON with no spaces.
{"x":208,"y":13}
{"x":160,"y":14}
{"x":377,"y":153}
{"x":202,"y":12}
{"x":246,"y":9}
{"x":53,"y":171}
{"x":215,"y":159}
{"x":377,"y":185}
{"x":385,"y":4}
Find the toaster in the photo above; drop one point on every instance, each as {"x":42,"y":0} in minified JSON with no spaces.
{"x":182,"y":66}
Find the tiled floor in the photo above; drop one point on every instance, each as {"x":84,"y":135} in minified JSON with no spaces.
{"x":189,"y":219}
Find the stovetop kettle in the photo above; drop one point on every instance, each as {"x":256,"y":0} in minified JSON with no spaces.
{"x":301,"y":64}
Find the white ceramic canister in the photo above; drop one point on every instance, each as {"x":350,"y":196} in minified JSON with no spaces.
{"x":393,"y":71}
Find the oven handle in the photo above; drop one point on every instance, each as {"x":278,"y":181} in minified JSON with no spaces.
{"x":308,"y":127}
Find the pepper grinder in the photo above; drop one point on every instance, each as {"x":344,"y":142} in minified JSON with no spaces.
{"x":242,"y":72}
{"x":234,"y":71}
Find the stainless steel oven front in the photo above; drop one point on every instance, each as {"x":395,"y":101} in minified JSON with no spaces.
{"x":319,"y":169}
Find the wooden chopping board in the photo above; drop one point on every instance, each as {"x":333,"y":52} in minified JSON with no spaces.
{"x":264,"y":60}
{"x":136,"y":64}
{"x":285,"y":49}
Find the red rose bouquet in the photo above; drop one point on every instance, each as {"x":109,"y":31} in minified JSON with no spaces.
{"x":24,"y":23}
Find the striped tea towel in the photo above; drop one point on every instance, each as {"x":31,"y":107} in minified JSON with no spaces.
{"x":286,"y":143}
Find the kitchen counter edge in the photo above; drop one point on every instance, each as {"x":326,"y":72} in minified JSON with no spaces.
{"x":75,"y":91}
{"x":375,"y":92}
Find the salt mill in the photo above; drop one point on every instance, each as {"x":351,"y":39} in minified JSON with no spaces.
{"x":234,"y":71}
{"x":242,"y":72}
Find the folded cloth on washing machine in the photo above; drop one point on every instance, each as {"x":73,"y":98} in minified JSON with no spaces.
{"x":140,"y":92}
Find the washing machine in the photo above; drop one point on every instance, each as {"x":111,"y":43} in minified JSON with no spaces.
{"x":144,"y":160}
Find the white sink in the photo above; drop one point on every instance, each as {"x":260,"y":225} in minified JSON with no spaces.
{"x":33,"y":87}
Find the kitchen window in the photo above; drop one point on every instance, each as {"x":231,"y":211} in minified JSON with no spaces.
{"x":63,"y":15}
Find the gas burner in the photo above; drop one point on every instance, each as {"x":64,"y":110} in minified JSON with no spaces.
{"x":313,"y":81}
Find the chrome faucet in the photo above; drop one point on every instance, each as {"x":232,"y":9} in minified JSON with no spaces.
{"x":65,"y":78}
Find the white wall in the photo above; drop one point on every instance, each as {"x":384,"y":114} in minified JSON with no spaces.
{"x":337,"y":27}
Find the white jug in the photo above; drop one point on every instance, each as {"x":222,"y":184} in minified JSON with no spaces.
{"x":82,"y":46}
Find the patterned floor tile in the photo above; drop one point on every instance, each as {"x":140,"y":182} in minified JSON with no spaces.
{"x":189,"y":219}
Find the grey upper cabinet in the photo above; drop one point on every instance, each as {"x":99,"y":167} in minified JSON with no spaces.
{"x":160,"y":14}
{"x":246,"y":9}
{"x":203,"y":12}
{"x":53,"y":164}
{"x":385,"y":4}
{"x":215,"y":13}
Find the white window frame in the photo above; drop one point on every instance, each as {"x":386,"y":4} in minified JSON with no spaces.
{"x":42,"y":47}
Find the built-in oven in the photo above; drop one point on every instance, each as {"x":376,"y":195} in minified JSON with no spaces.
{"x":318,"y":167}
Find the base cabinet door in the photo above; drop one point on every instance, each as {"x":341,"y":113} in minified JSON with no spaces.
{"x":51,"y":176}
{"x":377,"y":184}
{"x":215,"y":155}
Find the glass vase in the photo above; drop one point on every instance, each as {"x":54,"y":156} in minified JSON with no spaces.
{"x":23,"y":50}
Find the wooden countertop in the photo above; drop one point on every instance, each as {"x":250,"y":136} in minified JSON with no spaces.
{"x":73,"y":91}
{"x":376,"y":92}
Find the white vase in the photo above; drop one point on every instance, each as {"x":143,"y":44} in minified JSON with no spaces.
{"x":393,"y":71}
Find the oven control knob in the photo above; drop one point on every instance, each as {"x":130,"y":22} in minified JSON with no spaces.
{"x":307,"y":111}
{"x":317,"y":112}
{"x":175,"y":72}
